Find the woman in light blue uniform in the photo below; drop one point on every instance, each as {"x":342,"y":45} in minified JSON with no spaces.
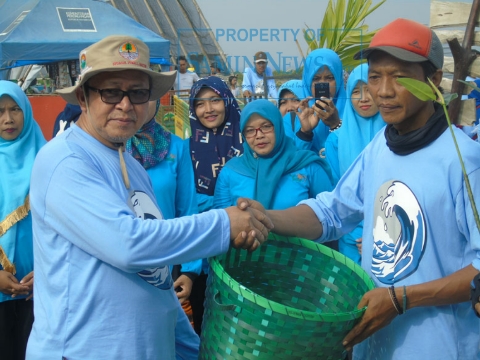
{"x":271,"y":169}
{"x":20,"y":141}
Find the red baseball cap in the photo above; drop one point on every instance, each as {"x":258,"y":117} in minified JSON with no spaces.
{"x":406,"y":40}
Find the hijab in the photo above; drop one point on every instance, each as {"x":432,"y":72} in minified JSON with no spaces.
{"x":316,"y":60}
{"x":294,"y":86}
{"x":16,"y":159}
{"x":150,"y":144}
{"x":356,"y":131}
{"x":284,"y":158}
{"x":211,"y":149}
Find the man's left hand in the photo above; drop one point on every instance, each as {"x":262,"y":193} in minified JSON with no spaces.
{"x":379,"y":313}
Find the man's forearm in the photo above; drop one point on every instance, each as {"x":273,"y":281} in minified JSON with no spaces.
{"x":451,"y":289}
{"x":299,"y":221}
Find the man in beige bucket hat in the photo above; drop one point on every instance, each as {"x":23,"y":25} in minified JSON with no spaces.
{"x":103,"y":288}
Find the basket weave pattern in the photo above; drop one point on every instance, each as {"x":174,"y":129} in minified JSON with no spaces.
{"x":290,"y":299}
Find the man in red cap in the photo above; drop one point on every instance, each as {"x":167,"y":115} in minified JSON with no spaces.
{"x":421,"y":244}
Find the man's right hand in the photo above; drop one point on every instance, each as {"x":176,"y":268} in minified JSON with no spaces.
{"x":299,"y":221}
{"x":249,"y":226}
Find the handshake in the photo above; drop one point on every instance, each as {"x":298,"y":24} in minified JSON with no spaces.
{"x":249,"y":224}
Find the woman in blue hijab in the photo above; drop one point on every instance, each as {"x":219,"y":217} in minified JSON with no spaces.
{"x":321,"y":65}
{"x":272,"y":170}
{"x":362,"y":122}
{"x":290,"y":95}
{"x":20,"y":141}
{"x":289,"y":101}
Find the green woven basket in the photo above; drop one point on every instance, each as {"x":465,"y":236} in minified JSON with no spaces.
{"x":290,"y":299}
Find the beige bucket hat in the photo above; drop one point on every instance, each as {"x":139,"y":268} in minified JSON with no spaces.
{"x":118,"y":53}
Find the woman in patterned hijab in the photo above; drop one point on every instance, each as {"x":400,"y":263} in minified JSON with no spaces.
{"x":216,"y":137}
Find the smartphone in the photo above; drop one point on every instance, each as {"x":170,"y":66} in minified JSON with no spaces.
{"x":322,"y":89}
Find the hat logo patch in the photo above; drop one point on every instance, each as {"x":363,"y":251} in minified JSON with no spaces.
{"x":415,"y":44}
{"x":128,"y":51}
{"x":83,"y":61}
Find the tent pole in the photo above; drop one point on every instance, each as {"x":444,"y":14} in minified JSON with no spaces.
{"x":24,"y":77}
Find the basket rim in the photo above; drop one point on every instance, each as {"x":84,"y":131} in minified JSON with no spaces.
{"x":248,"y":294}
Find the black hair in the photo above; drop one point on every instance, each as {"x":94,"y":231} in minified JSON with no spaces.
{"x":428,"y":70}
{"x":182,"y":57}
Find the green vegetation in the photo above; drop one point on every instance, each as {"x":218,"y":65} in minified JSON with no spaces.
{"x":343,"y":29}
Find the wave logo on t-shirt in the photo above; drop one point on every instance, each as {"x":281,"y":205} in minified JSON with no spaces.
{"x":145,"y":209}
{"x":399,"y":233}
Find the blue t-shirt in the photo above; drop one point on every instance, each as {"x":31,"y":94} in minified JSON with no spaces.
{"x":92,"y":237}
{"x":418,"y":227}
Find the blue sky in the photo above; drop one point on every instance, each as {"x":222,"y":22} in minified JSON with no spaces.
{"x":283,"y":20}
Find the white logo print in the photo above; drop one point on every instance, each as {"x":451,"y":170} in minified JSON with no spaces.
{"x":399,"y":233}
{"x":145,"y":209}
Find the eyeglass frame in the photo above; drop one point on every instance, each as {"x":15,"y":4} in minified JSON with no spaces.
{"x":257,"y":130}
{"x":124,"y":93}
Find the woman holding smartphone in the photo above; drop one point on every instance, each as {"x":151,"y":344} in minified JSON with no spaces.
{"x":321,"y":66}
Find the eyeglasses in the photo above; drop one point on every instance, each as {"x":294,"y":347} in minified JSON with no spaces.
{"x":114,"y":96}
{"x":265,"y":129}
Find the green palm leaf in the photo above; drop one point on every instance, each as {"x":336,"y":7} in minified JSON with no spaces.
{"x":343,"y":29}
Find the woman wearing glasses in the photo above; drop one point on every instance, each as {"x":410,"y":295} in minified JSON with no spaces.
{"x":272,"y":170}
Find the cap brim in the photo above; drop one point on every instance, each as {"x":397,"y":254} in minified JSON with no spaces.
{"x":401,"y":54}
{"x":162,"y":82}
{"x":261,"y":60}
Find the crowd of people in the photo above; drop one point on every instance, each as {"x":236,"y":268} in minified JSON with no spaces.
{"x":118,"y":216}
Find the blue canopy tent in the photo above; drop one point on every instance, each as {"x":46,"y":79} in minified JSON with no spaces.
{"x":46,"y":31}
